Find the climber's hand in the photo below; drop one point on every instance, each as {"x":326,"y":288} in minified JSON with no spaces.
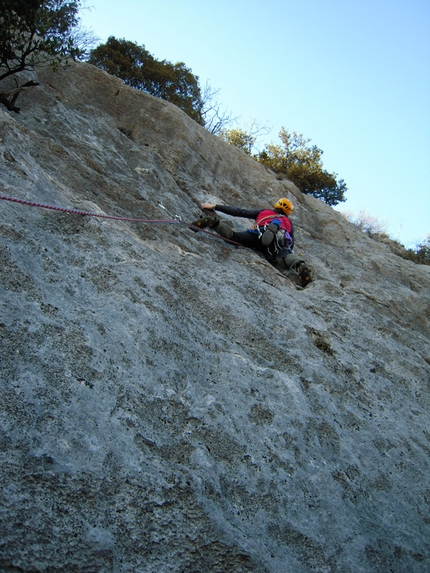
{"x":209,"y":206}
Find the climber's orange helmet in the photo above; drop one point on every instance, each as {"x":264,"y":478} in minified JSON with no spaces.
{"x":284,"y":205}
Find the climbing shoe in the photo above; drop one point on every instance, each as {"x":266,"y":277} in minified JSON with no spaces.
{"x":269,"y":234}
{"x":204,"y":222}
{"x":304,"y":274}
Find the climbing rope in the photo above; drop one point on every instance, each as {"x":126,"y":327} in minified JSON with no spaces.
{"x":115,"y":217}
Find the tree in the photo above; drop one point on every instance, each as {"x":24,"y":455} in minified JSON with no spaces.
{"x":139,"y":69}
{"x":422,"y":252}
{"x":215,"y":120}
{"x":245,"y":139}
{"x":302,"y":164}
{"x":34,"y":32}
{"x":240,"y":139}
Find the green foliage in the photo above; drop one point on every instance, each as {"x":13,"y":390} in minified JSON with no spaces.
{"x":239,"y":138}
{"x":34,"y":32}
{"x":245,"y":139}
{"x":421,"y":253}
{"x":294,"y":158}
{"x":302,"y":164}
{"x":139,"y":69}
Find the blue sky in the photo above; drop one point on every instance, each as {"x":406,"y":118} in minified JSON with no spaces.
{"x":351,"y":75}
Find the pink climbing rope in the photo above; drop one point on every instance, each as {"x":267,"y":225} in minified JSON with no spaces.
{"x":113,"y":217}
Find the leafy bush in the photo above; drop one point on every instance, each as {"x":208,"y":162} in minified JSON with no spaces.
{"x":302,"y":164}
{"x":139,"y":69}
{"x":294,"y":158}
{"x":240,"y":139}
{"x":34,"y":32}
{"x":420,"y":254}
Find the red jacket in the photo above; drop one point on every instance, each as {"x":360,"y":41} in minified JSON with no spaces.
{"x":265,"y":217}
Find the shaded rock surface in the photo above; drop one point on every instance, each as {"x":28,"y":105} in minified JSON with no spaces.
{"x":171,"y":403}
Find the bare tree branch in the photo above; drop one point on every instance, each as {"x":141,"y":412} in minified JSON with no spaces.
{"x":215,"y":119}
{"x":8,"y":99}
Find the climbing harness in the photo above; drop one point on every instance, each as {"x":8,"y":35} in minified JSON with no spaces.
{"x":174,"y":221}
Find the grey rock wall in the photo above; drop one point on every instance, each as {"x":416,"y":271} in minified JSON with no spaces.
{"x":171,"y":403}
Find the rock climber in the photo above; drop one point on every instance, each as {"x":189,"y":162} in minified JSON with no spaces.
{"x":272,"y":235}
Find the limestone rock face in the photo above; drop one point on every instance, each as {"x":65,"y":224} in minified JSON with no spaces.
{"x":170,"y":402}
